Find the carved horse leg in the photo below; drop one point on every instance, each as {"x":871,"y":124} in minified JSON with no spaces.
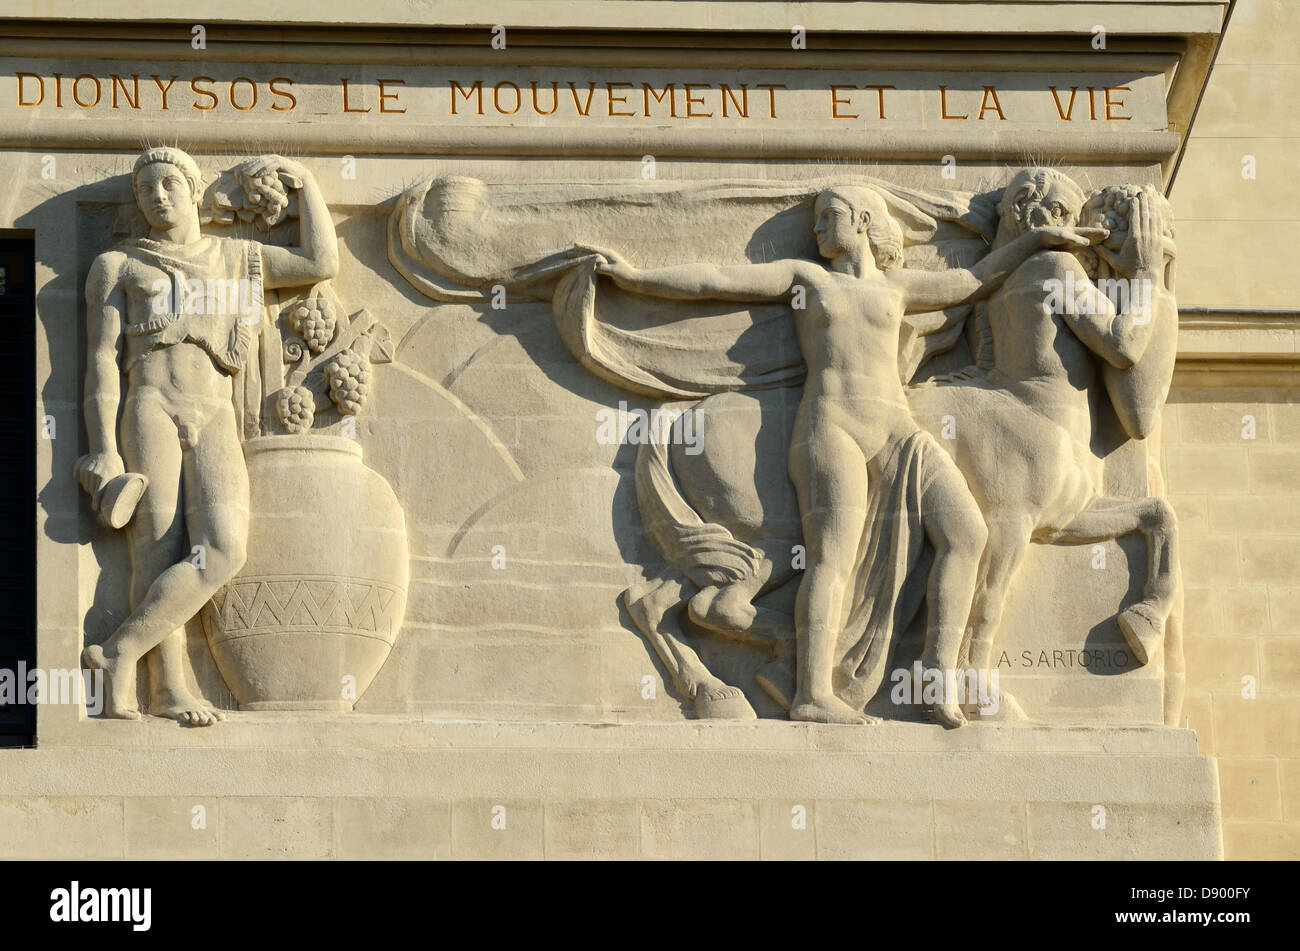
{"x":1108,"y":517}
{"x":656,"y":608}
{"x":1009,"y":536}
{"x":1175,"y":667}
{"x":729,"y":610}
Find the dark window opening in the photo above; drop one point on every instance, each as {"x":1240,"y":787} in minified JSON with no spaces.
{"x":18,"y":494}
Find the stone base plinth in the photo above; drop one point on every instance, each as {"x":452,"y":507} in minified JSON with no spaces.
{"x":285,"y":785}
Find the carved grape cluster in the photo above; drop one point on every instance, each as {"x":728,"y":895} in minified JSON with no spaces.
{"x":349,"y":381}
{"x":1109,"y":208}
{"x":296,"y":407}
{"x":314,"y":320}
{"x":267,"y":192}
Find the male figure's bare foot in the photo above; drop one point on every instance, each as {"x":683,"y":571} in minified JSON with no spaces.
{"x":119,"y":682}
{"x":185,"y":707}
{"x":827,"y":710}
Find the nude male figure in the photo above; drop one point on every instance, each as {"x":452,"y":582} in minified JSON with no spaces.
{"x":178,"y":425}
{"x":854,"y":413}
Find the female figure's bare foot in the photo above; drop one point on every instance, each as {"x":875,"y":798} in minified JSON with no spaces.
{"x":941,"y":692}
{"x":185,"y":707}
{"x":119,"y":682}
{"x":827,"y":710}
{"x":948,"y":714}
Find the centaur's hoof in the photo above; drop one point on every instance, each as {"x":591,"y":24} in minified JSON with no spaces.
{"x":1144,"y":629}
{"x":723,"y":703}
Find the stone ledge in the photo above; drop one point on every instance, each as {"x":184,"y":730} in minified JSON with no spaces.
{"x":422,"y":137}
{"x":1222,"y":347}
{"x":693,"y":790}
{"x":317,"y":731}
{"x":1213,"y":335}
{"x":370,"y":757}
{"x":633,"y":828}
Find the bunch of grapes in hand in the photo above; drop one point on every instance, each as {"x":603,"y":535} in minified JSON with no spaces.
{"x":266,"y":182}
{"x":1114,"y":208}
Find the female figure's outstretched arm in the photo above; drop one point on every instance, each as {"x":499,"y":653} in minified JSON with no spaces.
{"x":743,"y":282}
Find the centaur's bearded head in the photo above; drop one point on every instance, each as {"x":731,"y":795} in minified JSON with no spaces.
{"x":1038,"y":198}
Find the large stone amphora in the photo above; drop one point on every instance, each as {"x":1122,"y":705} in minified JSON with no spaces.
{"x":312,"y":616}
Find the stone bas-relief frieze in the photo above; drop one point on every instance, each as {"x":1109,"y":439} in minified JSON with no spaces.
{"x":551,"y":403}
{"x":232,"y":349}
{"x":977,"y":372}
{"x":890,"y":393}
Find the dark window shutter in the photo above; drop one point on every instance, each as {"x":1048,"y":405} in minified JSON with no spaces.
{"x":18,"y":467}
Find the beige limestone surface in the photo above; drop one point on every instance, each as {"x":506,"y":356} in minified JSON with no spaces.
{"x":365,"y":787}
{"x":545,"y":640}
{"x":968,"y":16}
{"x":1234,"y":495}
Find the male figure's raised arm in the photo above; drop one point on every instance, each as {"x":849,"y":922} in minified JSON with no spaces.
{"x":1120,"y":337}
{"x":317,"y":257}
{"x":742,"y":282}
{"x":935,"y":290}
{"x":105,"y":307}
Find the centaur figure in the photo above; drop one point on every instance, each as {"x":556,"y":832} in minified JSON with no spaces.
{"x":1025,"y":419}
{"x":175,"y":477}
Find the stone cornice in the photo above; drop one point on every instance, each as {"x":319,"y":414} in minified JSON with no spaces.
{"x":434,"y":139}
{"x":1173,"y":37}
{"x":1230,"y":347}
{"x":1135,"y":17}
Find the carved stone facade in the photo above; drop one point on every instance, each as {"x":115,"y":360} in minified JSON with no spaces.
{"x":445,"y":439}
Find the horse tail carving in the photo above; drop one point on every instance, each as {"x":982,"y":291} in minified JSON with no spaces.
{"x":707,"y":553}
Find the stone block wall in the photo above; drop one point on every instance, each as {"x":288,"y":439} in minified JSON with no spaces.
{"x":460,"y":790}
{"x":1238,"y":498}
{"x":1237,"y":495}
